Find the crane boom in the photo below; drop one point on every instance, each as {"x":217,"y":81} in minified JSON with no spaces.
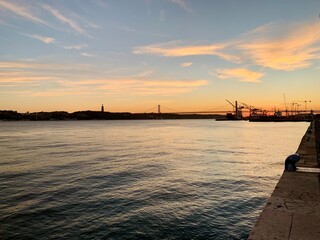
{"x":231,"y":103}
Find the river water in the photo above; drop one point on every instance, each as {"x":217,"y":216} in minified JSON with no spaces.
{"x":158,"y":179}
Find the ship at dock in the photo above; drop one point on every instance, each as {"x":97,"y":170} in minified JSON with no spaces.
{"x":293,"y":115}
{"x":259,"y":115}
{"x":276,"y":118}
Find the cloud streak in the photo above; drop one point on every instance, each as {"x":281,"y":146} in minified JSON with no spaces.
{"x":22,"y":12}
{"x":42,"y":38}
{"x":64,"y":19}
{"x":87,"y":54}
{"x":76,"y":46}
{"x":186,"y":64}
{"x":241,"y":74}
{"x":174,"y":49}
{"x":20,"y":65}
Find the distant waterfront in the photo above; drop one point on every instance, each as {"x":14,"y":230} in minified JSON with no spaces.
{"x":139,"y":179}
{"x":98,"y":115}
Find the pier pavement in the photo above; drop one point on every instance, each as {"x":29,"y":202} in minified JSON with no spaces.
{"x":293,"y":210}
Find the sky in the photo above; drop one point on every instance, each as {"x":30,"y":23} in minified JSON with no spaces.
{"x":133,"y":55}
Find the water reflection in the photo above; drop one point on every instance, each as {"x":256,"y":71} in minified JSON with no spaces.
{"x":139,"y":179}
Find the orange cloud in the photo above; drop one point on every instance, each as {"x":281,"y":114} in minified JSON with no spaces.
{"x":25,"y":79}
{"x":242,"y":74}
{"x":18,"y":65}
{"x":28,"y":74}
{"x":172,"y":49}
{"x":281,"y":46}
{"x":278,"y":45}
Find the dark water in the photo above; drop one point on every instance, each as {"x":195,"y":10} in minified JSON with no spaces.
{"x":183,"y":179}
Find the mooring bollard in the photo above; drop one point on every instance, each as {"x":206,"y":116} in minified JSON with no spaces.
{"x":290,"y":162}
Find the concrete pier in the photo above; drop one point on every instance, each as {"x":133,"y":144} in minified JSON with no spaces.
{"x":293,"y":210}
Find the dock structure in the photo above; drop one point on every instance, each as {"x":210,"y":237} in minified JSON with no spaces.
{"x":293,"y":210}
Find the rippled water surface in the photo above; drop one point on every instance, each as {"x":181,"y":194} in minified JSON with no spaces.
{"x":160,"y":179}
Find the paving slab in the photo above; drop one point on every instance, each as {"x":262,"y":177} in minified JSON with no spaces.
{"x":293,"y":206}
{"x":298,"y":185}
{"x":305,"y":227}
{"x":272,"y":225}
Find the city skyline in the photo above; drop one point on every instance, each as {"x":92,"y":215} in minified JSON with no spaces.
{"x":133,"y":55}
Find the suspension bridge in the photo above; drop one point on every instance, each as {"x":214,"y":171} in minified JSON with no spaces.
{"x":246,"y":109}
{"x":163,"y":109}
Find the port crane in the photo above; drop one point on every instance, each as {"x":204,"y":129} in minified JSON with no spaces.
{"x":254,"y":111}
{"x":237,"y":109}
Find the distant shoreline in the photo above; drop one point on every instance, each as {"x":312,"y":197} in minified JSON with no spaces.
{"x":9,"y":115}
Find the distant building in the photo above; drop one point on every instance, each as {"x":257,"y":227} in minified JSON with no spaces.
{"x":102,"y":108}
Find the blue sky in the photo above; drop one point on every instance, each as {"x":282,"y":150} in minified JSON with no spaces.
{"x":133,"y":55}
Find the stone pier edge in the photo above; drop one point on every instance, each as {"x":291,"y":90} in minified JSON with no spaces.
{"x":293,"y":210}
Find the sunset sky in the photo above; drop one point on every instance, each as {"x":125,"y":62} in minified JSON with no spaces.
{"x":131,"y":55}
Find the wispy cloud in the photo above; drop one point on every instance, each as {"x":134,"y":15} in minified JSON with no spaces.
{"x":240,"y":74}
{"x":19,"y":65}
{"x":186,"y":64}
{"x":183,"y":4}
{"x":76,"y":46}
{"x":87,"y":54}
{"x":22,"y":11}
{"x":174,"y":49}
{"x":41,"y":38}
{"x":23,"y":78}
{"x":35,"y":12}
{"x":144,"y":74}
{"x":66,"y":20}
{"x":35,"y":66}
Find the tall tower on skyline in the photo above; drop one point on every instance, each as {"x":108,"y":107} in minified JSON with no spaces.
{"x":102,"y":108}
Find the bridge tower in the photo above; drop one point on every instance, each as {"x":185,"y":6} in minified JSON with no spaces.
{"x":159,"y":110}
